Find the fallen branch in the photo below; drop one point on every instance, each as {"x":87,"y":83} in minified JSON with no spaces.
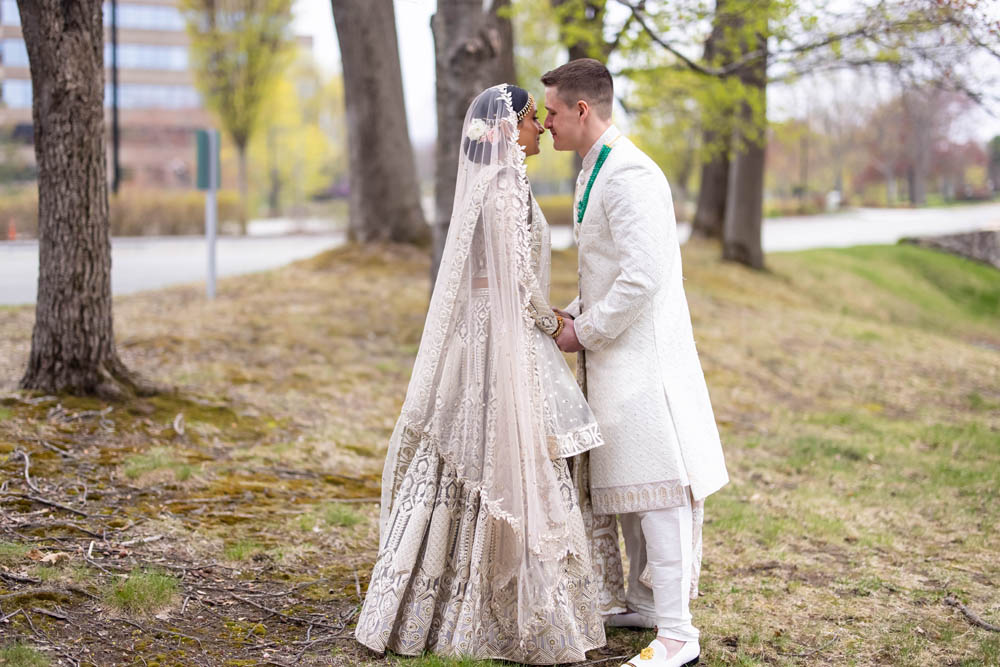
{"x":970,"y":615}
{"x":18,"y":579}
{"x":43,"y":501}
{"x":50,"y":614}
{"x":48,"y":591}
{"x":294,"y":619}
{"x":35,"y":592}
{"x":27,"y":465}
{"x":602,"y":660}
{"x":154,"y":629}
{"x":58,"y":450}
{"x":141,"y":540}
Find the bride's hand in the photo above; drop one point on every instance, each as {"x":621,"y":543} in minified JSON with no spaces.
{"x":563,"y":313}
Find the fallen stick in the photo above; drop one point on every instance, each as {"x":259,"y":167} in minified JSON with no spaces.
{"x":970,"y":615}
{"x":32,"y":592}
{"x":18,"y":579}
{"x":51,"y":614}
{"x":43,"y":501}
{"x":27,"y":466}
{"x":602,"y":660}
{"x":141,"y":540}
{"x":289,"y":617}
{"x":155,"y":629}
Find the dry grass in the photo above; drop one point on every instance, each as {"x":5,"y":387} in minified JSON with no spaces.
{"x":858,"y":392}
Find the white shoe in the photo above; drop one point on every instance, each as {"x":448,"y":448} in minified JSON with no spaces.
{"x":655,"y":655}
{"x":630,"y":619}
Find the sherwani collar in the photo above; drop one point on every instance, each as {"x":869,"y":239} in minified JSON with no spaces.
{"x":590,"y":158}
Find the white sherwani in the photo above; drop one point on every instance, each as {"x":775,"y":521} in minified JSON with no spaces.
{"x":644,"y":382}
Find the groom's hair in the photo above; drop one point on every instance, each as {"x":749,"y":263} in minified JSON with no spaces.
{"x":583,"y":79}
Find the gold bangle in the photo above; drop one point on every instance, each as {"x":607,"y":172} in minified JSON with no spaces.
{"x":560,"y":323}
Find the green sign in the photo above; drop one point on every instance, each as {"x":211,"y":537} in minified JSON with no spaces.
{"x":205,"y":140}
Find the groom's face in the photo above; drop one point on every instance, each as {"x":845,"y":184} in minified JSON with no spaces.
{"x":562,"y":121}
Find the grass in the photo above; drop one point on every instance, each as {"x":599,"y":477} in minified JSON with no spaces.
{"x":341,"y":515}
{"x":142,"y":592}
{"x":21,"y":655}
{"x":857,"y":391}
{"x":12,"y":552}
{"x":242,"y":550}
{"x":158,"y":458}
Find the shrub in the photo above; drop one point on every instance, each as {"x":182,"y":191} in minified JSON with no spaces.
{"x":134,"y":212}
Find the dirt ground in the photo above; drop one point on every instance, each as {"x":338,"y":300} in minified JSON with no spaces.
{"x":232,"y":520}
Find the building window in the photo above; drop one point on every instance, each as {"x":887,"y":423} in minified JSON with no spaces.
{"x":8,"y":13}
{"x":146,"y":17}
{"x":136,"y":17}
{"x":144,"y":56}
{"x":152,"y":96}
{"x":13,"y":53}
{"x":130,"y":56}
{"x":17,"y":93}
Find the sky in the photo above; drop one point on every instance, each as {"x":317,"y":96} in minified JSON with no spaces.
{"x":416,"y":47}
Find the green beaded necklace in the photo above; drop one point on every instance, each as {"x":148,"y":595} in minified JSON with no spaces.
{"x":581,"y":208}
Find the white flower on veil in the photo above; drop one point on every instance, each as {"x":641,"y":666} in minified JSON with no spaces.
{"x":477,"y":128}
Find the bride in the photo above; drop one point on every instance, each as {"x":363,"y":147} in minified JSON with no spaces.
{"x":485,"y":530}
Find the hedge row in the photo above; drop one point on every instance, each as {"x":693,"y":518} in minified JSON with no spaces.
{"x":133,"y":212}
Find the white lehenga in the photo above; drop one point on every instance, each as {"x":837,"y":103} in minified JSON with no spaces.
{"x":488,"y":547}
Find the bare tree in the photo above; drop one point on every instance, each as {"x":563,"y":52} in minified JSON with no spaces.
{"x":72,"y":345}
{"x":238,"y":48}
{"x":473,"y":51}
{"x":385,"y":193}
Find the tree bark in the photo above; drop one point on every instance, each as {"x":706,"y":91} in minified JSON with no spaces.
{"x":710,"y":213}
{"x":471,"y":54}
{"x":72,"y":345}
{"x":384,"y":189}
{"x":741,"y":232}
{"x":241,"y":176}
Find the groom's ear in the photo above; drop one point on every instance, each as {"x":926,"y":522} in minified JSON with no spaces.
{"x":583,"y":109}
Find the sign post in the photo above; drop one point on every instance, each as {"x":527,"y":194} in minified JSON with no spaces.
{"x":208,"y":180}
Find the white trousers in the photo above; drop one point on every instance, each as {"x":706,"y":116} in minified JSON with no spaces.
{"x":663,"y":540}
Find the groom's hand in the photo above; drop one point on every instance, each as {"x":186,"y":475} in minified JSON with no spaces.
{"x":567,"y":340}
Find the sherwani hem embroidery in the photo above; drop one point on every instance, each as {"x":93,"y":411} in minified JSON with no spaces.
{"x":638,"y":497}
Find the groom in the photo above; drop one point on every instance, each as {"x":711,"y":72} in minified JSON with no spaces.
{"x":644,"y":383}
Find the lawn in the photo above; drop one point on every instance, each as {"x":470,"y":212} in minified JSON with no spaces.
{"x":232,"y":521}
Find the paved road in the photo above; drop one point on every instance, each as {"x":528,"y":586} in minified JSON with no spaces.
{"x":148,"y":263}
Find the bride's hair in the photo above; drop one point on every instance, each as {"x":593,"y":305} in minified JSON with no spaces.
{"x":484,"y":108}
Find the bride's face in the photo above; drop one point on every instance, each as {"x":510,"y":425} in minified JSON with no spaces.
{"x":528,"y":131}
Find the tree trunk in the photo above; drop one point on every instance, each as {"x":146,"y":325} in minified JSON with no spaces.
{"x":711,"y":211}
{"x":274,"y":177}
{"x":741,"y":232}
{"x":241,"y":176}
{"x":710,"y":214}
{"x":471,"y":55}
{"x":385,"y":191}
{"x":72,"y":345}
{"x":500,"y":18}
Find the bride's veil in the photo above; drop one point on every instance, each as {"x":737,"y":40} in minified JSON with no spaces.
{"x":475,"y":393}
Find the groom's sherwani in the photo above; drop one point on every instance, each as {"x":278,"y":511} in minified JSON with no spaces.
{"x":644,"y":382}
